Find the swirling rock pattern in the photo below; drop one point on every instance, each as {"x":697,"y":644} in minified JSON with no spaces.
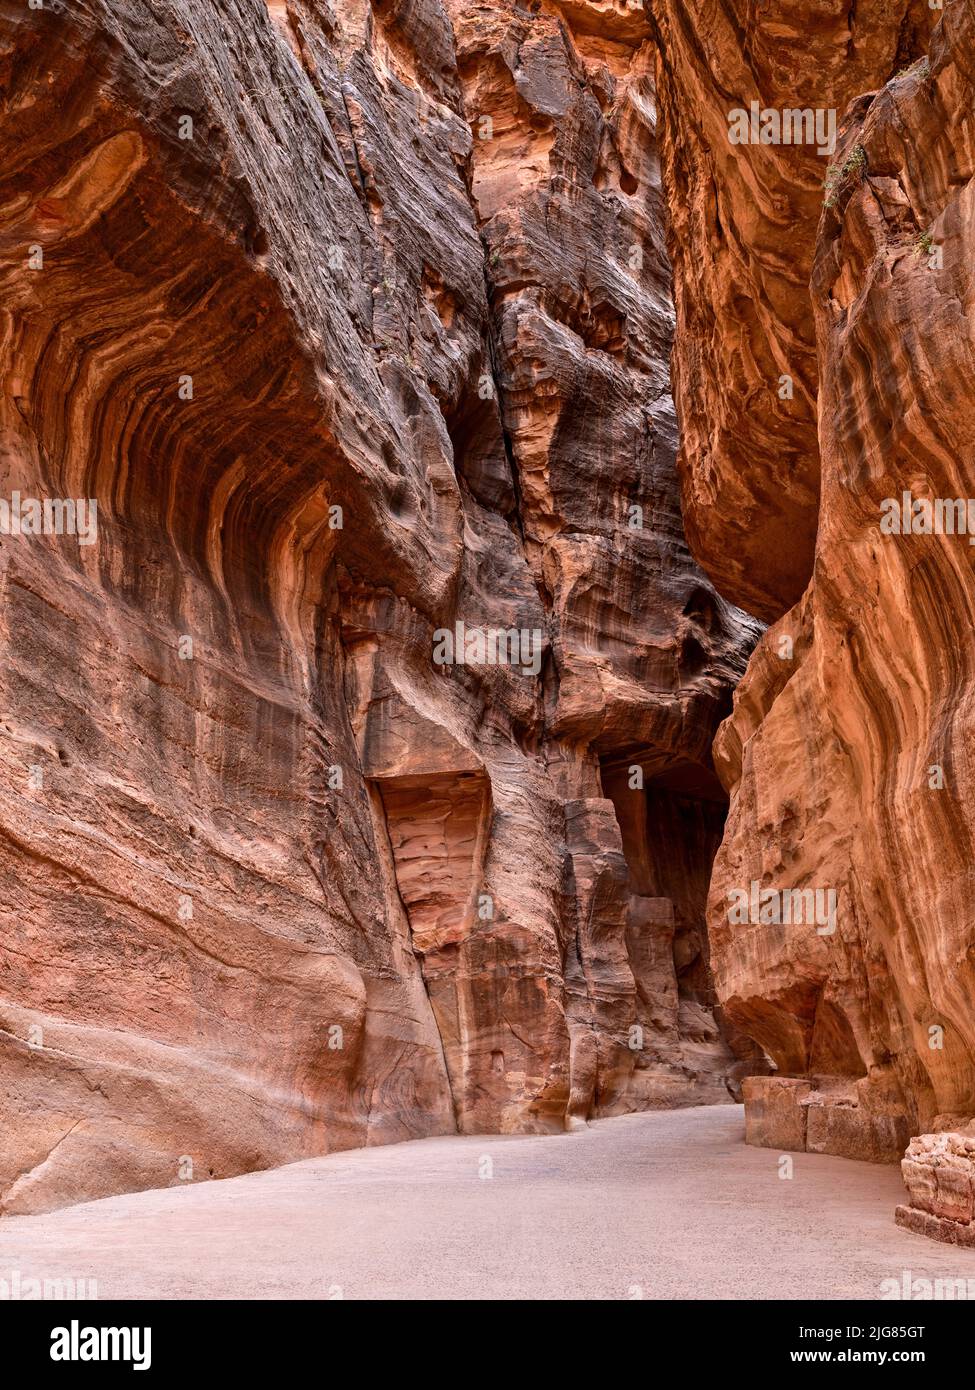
{"x":849,"y":750}
{"x":741,"y":237}
{"x":354,"y":321}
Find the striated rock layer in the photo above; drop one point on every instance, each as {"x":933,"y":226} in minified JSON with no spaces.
{"x":354,"y":323}
{"x":848,"y":754}
{"x":939,"y":1174}
{"x":742,"y":234}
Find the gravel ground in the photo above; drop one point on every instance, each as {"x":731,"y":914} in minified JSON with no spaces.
{"x":671,"y":1204}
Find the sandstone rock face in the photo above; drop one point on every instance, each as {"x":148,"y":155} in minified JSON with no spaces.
{"x":851,"y":1118}
{"x":939,"y":1174}
{"x":354,"y":322}
{"x":848,"y":752}
{"x":742,"y":235}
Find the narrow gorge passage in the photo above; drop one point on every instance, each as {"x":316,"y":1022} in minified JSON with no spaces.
{"x":486,"y":797}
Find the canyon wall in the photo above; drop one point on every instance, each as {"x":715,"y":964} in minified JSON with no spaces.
{"x":743,"y":219}
{"x":848,"y":755}
{"x":354,"y":321}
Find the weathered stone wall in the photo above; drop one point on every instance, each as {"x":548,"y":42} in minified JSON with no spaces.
{"x":355,"y":323}
{"x":848,"y":754}
{"x":742,"y":235}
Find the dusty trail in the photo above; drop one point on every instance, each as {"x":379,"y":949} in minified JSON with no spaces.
{"x":672,"y":1203}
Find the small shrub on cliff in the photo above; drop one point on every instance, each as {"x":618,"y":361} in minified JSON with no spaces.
{"x":837,"y":175}
{"x":921,"y":68}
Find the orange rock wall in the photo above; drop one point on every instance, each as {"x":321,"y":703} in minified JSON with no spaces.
{"x":847,"y":755}
{"x":355,"y":322}
{"x":742,"y":235}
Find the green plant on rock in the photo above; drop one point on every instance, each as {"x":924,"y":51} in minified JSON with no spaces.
{"x":920,"y":68}
{"x":838,"y":174}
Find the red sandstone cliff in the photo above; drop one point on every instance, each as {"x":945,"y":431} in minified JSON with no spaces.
{"x":743,"y":227}
{"x":355,"y":322}
{"x":848,"y":754}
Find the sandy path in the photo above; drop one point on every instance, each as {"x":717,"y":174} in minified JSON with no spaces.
{"x":673,"y":1203}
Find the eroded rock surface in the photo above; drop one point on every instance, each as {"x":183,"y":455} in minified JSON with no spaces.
{"x":848,"y":755}
{"x":355,"y":322}
{"x":741,"y":237}
{"x":939,"y":1174}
